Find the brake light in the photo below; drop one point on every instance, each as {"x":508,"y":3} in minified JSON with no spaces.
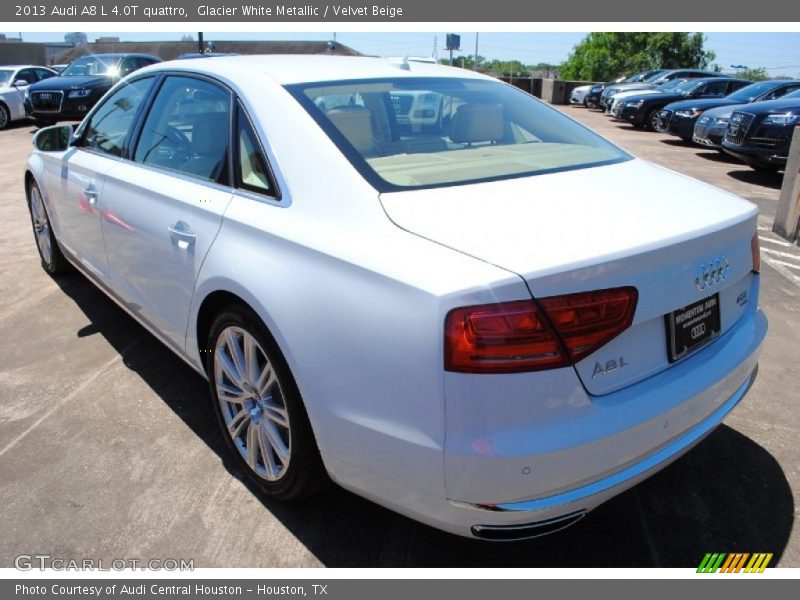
{"x":755,"y":248}
{"x":589,"y":320}
{"x":511,"y":337}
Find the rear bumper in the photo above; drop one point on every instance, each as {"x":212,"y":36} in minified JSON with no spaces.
{"x":693,"y":397}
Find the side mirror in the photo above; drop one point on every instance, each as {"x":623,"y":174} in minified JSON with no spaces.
{"x":21,"y":83}
{"x":56,"y":138}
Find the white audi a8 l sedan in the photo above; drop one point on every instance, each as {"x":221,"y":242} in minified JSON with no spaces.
{"x":429,"y":310}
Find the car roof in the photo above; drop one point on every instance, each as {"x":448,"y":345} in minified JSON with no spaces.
{"x":14,"y":67}
{"x":117,"y":55}
{"x":298,"y":68}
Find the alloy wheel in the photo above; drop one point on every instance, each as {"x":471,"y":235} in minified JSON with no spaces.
{"x":252,"y":403}
{"x":41,"y":226}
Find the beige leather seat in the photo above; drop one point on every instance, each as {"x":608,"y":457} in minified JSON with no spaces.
{"x":355,"y":124}
{"x":477,"y":123}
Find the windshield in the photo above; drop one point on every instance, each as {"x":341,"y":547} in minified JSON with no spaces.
{"x":685,"y":86}
{"x":91,"y":65}
{"x":5,"y":76}
{"x":670,"y":86}
{"x":752,"y":91}
{"x":654,"y":76}
{"x":424,"y":132}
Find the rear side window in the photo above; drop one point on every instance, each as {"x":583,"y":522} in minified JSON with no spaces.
{"x":187,"y":129}
{"x":110,"y":125}
{"x":252,"y":170}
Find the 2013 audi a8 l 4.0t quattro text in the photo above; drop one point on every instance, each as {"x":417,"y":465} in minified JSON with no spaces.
{"x":429,"y":316}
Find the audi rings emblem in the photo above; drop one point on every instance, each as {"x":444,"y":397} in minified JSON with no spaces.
{"x":709,"y":274}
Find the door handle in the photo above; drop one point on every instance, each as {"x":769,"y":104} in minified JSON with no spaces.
{"x":182,"y":235}
{"x":91,"y":195}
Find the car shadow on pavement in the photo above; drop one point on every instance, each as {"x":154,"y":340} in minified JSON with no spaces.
{"x":728,"y":494}
{"x":766,"y":179}
{"x":718,"y":156}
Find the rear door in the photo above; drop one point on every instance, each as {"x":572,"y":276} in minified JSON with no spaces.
{"x":165,"y":206}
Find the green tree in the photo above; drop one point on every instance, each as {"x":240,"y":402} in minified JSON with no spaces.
{"x":754,"y":74}
{"x":602,"y":56}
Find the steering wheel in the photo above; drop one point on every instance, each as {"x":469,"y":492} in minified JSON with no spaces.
{"x":171,"y":145}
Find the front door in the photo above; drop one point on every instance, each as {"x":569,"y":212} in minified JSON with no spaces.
{"x":165,"y":206}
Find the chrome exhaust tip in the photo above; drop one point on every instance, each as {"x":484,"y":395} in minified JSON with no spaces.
{"x":513,"y":533}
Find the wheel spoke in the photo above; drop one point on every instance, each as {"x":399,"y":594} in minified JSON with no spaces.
{"x":265,"y":380}
{"x":238,"y":422}
{"x":266,"y":454}
{"x":230,"y":393}
{"x":235,"y":352}
{"x":252,"y":446}
{"x":277,"y":415}
{"x":275,"y":442}
{"x":250,"y":358}
{"x":229,"y":368}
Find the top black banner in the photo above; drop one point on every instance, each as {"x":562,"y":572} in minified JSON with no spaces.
{"x":69,"y":11}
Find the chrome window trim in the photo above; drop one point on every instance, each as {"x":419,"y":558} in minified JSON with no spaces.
{"x":279,"y":180}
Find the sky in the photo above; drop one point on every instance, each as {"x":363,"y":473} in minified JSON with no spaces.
{"x":778,"y":52}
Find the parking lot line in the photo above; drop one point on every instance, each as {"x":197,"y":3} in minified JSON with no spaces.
{"x":73,"y":394}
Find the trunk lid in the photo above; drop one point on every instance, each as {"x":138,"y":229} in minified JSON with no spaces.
{"x":631,"y":223}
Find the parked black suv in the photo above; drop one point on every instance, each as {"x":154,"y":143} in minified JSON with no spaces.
{"x":679,"y":118}
{"x":642,"y":110}
{"x":760,"y":134}
{"x":73,"y":93}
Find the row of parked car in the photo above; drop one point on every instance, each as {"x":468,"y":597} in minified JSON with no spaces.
{"x":48,"y":95}
{"x":752,"y":121}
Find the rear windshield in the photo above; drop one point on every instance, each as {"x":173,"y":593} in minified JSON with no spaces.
{"x":425,"y":132}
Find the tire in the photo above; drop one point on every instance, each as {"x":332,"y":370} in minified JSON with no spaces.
{"x":5,"y":116}
{"x":53,"y":261}
{"x":265,"y":427}
{"x":650,"y":122}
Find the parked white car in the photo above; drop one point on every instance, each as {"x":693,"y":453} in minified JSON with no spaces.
{"x":578,"y":95}
{"x":433,"y":319}
{"x":14,"y":80}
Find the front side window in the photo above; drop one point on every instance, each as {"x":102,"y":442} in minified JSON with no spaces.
{"x":422,"y":132}
{"x":44,"y":74}
{"x":716,"y":88}
{"x":27,"y":75}
{"x":110,"y":125}
{"x":187,"y":129}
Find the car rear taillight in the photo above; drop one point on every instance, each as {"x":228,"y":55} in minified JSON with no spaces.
{"x":589,"y":320}
{"x":512,"y":337}
{"x":755,"y":248}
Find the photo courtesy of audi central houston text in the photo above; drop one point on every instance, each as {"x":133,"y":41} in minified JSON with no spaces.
{"x":410,"y":280}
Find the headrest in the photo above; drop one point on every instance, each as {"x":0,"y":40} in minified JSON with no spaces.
{"x":355,"y":124}
{"x":474,"y":123}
